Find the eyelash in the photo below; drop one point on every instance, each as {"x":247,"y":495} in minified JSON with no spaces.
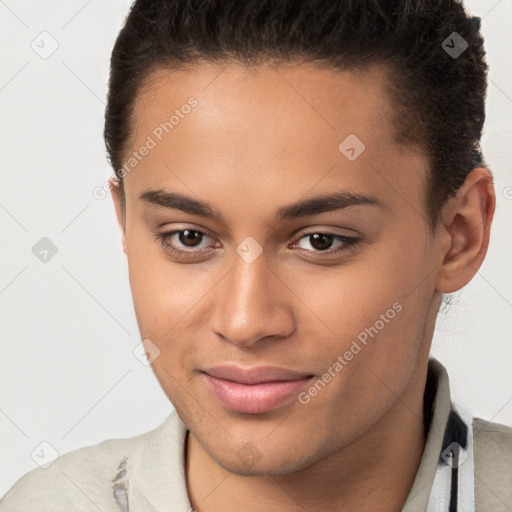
{"x":348,"y":242}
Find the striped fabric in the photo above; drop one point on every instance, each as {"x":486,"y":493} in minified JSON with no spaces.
{"x":453,"y":487}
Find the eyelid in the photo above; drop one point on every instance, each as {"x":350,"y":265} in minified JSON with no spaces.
{"x":348,"y":233}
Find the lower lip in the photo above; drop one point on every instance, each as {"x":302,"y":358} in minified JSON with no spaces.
{"x":255,"y":398}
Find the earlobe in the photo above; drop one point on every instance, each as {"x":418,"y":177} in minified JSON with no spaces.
{"x":118,"y":206}
{"x":467,"y":220}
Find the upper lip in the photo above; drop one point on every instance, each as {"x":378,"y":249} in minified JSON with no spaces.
{"x":255,"y":374}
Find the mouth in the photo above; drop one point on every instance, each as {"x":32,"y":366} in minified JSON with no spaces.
{"x":255,"y":390}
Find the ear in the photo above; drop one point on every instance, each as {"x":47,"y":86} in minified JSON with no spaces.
{"x":466,"y":219}
{"x":118,"y":206}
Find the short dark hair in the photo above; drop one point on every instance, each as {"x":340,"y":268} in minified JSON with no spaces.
{"x":438,"y":98}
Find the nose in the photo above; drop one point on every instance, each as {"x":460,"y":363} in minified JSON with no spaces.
{"x":253,"y":303}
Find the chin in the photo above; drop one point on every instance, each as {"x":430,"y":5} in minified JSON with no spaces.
{"x":273,"y":464}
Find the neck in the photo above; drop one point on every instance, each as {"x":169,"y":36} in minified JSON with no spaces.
{"x":374,"y":472}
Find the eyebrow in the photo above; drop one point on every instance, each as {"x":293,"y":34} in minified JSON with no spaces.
{"x":313,"y":206}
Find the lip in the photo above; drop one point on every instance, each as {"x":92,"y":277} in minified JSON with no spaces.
{"x":254,"y":390}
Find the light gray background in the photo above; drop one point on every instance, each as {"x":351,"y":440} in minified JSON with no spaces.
{"x":67,"y":372}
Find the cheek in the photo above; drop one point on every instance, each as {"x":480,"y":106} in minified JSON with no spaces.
{"x":146,"y":292}
{"x":163,"y":295}
{"x":352,"y":297}
{"x":162,"y":292}
{"x":376,"y":308}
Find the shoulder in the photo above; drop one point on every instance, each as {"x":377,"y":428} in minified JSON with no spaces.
{"x":490,"y":439}
{"x":84,"y":479}
{"x":492,"y":445}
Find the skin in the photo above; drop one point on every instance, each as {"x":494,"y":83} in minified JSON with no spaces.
{"x":258,"y":140}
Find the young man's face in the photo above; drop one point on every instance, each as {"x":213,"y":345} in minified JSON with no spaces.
{"x":258,"y":290}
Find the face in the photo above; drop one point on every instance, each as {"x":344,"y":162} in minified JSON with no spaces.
{"x":256,"y":268}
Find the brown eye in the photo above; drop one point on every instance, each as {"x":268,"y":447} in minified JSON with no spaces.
{"x":322,"y":242}
{"x":177,"y":241}
{"x":189,"y":237}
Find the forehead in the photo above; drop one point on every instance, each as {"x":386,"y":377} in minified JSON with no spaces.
{"x":282,"y":125}
{"x":240,"y":99}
